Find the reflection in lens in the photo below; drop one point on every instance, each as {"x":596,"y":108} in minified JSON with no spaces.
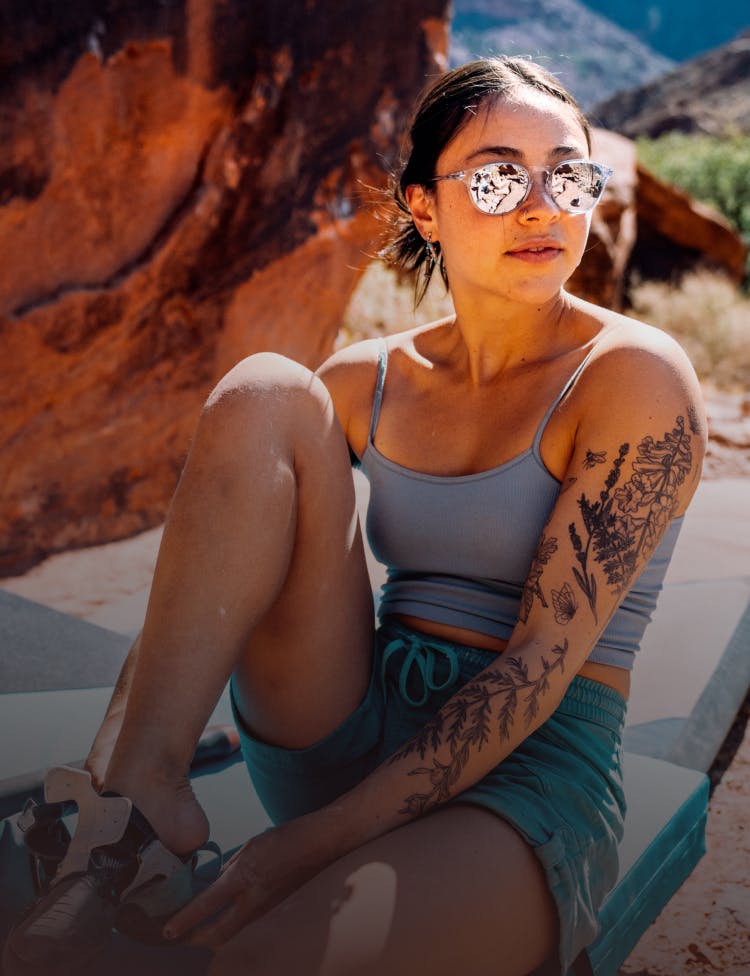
{"x":576,"y":186}
{"x":499,"y":188}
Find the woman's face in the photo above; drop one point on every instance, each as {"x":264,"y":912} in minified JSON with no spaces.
{"x":528,"y":254}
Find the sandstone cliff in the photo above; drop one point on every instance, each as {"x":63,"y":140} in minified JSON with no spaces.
{"x":647,"y":228}
{"x":180,"y":185}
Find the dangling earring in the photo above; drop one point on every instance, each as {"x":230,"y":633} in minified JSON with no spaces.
{"x":430,"y":248}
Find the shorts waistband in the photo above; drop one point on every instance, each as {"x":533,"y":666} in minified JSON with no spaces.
{"x":418,"y":652}
{"x":594,"y":701}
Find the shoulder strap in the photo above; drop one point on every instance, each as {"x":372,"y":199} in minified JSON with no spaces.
{"x":378,"y":398}
{"x":558,"y":399}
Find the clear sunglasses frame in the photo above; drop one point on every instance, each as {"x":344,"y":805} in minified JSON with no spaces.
{"x":501,"y":187}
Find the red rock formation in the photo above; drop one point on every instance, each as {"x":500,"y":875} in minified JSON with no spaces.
{"x":181,"y":185}
{"x":648,"y":228}
{"x":600,"y":276}
{"x":676,"y":232}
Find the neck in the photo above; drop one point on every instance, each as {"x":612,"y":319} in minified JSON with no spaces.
{"x":501,"y":335}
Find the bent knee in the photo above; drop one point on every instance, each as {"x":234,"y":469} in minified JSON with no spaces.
{"x":267,"y":387}
{"x":262,"y":373}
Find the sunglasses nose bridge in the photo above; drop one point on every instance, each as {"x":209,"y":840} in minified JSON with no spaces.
{"x":538,"y":190}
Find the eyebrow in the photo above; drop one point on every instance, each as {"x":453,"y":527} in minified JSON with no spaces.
{"x":508,"y":152}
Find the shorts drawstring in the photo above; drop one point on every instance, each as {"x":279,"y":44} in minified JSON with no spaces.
{"x":422,"y":655}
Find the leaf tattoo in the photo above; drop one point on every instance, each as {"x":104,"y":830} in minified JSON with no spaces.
{"x":564,"y":603}
{"x":626,"y":523}
{"x":465,"y":723}
{"x":532,"y":588}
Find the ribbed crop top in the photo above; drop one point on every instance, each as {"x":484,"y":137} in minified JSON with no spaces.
{"x":458,"y":548}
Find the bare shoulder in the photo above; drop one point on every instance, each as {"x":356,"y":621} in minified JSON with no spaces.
{"x":636,"y":369}
{"x":350,"y":363}
{"x":638,"y":396}
{"x":352,"y":370}
{"x":350,"y":375}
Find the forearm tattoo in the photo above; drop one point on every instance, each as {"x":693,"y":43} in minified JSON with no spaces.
{"x":466,"y":722}
{"x":624,"y":525}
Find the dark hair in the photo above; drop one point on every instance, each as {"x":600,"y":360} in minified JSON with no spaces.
{"x":442,"y":112}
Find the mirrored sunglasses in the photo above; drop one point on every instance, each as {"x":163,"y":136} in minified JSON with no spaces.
{"x":575,"y":185}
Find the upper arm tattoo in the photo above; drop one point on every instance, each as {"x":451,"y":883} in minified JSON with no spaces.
{"x":593,"y":458}
{"x":565,"y":604}
{"x":624,"y":525}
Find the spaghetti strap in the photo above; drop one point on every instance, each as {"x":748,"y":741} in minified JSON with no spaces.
{"x":378,"y":398}
{"x":558,"y":400}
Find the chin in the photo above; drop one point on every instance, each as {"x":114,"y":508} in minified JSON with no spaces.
{"x":537,"y":292}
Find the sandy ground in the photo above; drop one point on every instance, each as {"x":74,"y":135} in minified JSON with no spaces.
{"x":706,"y":927}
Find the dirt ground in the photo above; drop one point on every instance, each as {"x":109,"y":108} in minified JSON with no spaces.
{"x":705,"y":928}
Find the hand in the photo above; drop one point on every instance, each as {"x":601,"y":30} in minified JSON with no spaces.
{"x":258,"y":877}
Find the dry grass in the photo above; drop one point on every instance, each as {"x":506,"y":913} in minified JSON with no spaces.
{"x":709,"y":317}
{"x":382,"y":304}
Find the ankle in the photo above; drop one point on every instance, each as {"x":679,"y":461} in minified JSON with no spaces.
{"x":168,"y":804}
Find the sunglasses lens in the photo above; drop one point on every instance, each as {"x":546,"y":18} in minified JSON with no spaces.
{"x":499,"y":188}
{"x":577,"y":186}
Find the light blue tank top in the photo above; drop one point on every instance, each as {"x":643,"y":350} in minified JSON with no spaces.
{"x":458,"y":548}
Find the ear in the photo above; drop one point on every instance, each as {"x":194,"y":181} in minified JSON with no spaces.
{"x":421,"y":203}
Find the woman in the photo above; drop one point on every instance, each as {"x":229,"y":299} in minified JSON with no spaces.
{"x":448,"y":793}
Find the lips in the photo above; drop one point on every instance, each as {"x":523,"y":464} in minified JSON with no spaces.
{"x":536,"y":246}
{"x":538,"y":251}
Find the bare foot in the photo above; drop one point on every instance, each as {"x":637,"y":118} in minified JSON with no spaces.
{"x":171,"y":809}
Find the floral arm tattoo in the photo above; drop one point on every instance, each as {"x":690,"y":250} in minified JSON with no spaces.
{"x":532,"y":588}
{"x":489,"y":702}
{"x":612,"y":535}
{"x":624,"y":524}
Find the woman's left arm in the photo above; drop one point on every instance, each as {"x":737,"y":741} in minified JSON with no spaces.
{"x":635,"y":462}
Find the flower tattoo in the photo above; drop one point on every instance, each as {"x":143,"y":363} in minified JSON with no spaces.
{"x":626,"y":522}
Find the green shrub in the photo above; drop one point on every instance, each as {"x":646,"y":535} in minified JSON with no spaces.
{"x":716,"y":171}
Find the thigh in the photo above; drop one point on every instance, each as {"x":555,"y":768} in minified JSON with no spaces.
{"x":458,"y":891}
{"x":307,"y":663}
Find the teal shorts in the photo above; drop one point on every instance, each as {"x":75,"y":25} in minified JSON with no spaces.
{"x":561,"y":788}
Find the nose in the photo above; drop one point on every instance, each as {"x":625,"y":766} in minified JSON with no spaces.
{"x":539,"y":205}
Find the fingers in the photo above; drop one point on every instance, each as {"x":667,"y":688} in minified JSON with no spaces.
{"x":204,"y":906}
{"x":218,"y":932}
{"x":211,"y":918}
